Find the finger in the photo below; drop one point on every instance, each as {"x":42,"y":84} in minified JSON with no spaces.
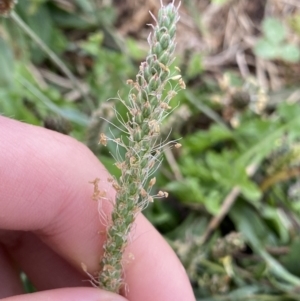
{"x":155,"y":268}
{"x":45,"y":190}
{"x":45,"y":268}
{"x":69,"y":294}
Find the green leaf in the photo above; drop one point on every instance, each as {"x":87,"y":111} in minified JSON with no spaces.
{"x":266,"y":49}
{"x":213,"y":201}
{"x":93,"y":44}
{"x":250,"y":191}
{"x":188,"y":190}
{"x":274,"y":31}
{"x":6,"y":63}
{"x":257,"y":234}
{"x":40,"y":21}
{"x":66,"y":20}
{"x":235,"y":79}
{"x":205,"y":109}
{"x":195,"y":66}
{"x":86,"y":6}
{"x":251,"y":225}
{"x":220,"y":167}
{"x":66,"y":112}
{"x":202,"y":140}
{"x":220,"y":2}
{"x":290,"y":53}
{"x":291,"y":260}
{"x":267,"y":142}
{"x":288,"y":111}
{"x":135,"y":49}
{"x":244,"y":292}
{"x":276,"y":222}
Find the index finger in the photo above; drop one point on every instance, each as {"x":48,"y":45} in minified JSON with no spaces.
{"x":45,"y":188}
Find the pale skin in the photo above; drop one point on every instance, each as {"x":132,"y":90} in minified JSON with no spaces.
{"x":49,"y":225}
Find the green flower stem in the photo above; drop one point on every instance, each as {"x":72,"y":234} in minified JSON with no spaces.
{"x":147,"y":106}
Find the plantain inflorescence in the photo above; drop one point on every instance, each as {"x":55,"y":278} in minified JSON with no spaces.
{"x":147,"y":105}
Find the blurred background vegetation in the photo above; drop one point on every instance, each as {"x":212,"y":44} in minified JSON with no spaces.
{"x":233,"y":211}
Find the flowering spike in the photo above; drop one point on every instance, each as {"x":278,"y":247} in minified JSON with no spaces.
{"x":147,"y":107}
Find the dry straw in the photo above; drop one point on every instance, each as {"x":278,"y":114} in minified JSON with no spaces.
{"x":147,"y":105}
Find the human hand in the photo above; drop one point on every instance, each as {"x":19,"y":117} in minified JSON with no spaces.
{"x":50,"y":225}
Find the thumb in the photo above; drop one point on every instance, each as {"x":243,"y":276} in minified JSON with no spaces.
{"x":69,"y":294}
